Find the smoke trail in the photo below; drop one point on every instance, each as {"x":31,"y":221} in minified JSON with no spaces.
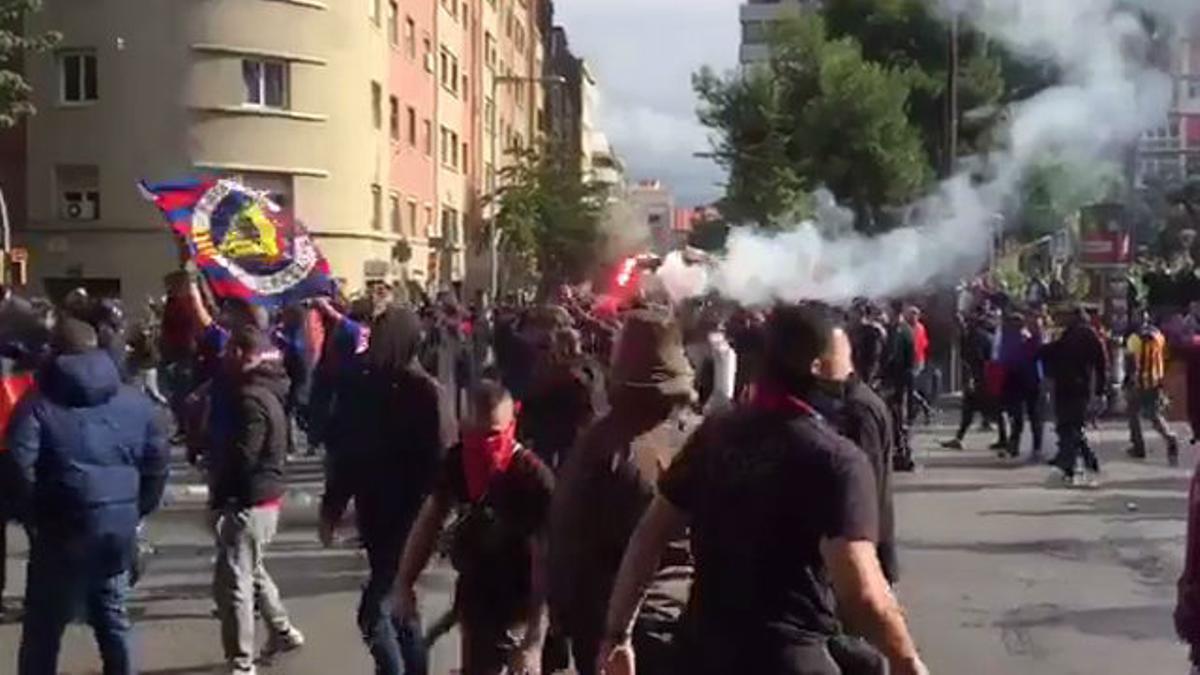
{"x":1109,"y":94}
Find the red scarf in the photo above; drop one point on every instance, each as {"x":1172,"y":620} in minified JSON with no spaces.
{"x":485,"y":455}
{"x":771,"y":398}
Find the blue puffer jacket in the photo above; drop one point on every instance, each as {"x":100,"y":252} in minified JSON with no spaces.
{"x":91,"y":458}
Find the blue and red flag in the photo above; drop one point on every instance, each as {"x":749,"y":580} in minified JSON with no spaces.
{"x":242,"y":242}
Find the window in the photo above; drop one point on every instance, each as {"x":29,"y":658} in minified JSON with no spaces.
{"x":377,"y":105}
{"x":489,"y":49}
{"x":429,"y":64}
{"x":78,"y":79}
{"x":489,"y":115}
{"x":466,"y":15}
{"x":465,"y":156}
{"x":449,"y":71}
{"x":445,"y":145}
{"x":1193,"y":166}
{"x":78,"y":191}
{"x":410,"y":37}
{"x":394,"y":203}
{"x":449,"y":225}
{"x":428,"y":138}
{"x":266,"y":83}
{"x":373,"y":11}
{"x":394,"y":117}
{"x":277,"y":187}
{"x":412,"y":126}
{"x":490,"y":178}
{"x":393,"y":20}
{"x":1194,"y":88}
{"x":376,"y":207}
{"x":412,"y":218}
{"x":454,"y":150}
{"x":429,"y":223}
{"x":754,"y":32}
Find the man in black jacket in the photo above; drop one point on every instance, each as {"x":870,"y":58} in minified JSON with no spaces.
{"x":245,"y":494}
{"x":861,"y":415}
{"x":975,"y":345}
{"x":398,"y":425}
{"x":1077,"y":364}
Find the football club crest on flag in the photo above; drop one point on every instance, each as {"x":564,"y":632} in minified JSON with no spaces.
{"x":242,"y":242}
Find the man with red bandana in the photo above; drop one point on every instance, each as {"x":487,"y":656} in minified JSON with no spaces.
{"x":502,"y":492}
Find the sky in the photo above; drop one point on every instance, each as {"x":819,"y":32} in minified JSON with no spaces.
{"x":643,"y":53}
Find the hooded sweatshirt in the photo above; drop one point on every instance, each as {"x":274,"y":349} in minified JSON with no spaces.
{"x":247,"y":465}
{"x":400,"y":425}
{"x":91,"y":457}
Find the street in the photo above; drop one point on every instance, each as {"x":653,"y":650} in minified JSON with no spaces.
{"x":1001,"y":574}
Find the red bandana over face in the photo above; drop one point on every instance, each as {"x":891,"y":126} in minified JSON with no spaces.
{"x":485,"y":454}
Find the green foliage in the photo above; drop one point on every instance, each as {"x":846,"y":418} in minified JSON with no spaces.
{"x":14,"y":89}
{"x":911,"y":36}
{"x":1053,"y":190}
{"x":817,"y":114}
{"x":548,"y":218}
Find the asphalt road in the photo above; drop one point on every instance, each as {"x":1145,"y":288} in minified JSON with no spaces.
{"x":1001,"y":573}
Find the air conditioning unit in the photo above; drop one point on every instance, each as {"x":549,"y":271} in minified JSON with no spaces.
{"x":430,"y":63}
{"x":78,"y":206}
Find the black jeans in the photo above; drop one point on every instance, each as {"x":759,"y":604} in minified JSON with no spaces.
{"x":1071,"y":415}
{"x":901,"y":392}
{"x":1021,"y":404}
{"x":978,"y":402}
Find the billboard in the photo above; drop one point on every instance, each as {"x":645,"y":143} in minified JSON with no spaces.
{"x":1104,"y":236}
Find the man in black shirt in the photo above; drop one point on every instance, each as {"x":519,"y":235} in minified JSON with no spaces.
{"x":502,"y":492}
{"x":783,"y":519}
{"x":868,"y":337}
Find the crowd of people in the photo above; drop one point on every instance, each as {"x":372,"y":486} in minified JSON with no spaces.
{"x":743,"y":472}
{"x":694,"y":488}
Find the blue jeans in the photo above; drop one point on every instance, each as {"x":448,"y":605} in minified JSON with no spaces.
{"x":396,"y":645}
{"x":56,"y":592}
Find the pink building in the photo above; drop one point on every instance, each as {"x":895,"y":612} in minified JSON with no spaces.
{"x":412,"y":203}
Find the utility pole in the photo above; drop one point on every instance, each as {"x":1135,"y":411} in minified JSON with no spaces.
{"x":951,"y":126}
{"x":6,"y":230}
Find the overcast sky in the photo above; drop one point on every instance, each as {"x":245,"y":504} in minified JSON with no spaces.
{"x":643,"y":53}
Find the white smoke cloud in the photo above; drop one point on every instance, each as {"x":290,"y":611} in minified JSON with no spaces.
{"x":1110,"y":94}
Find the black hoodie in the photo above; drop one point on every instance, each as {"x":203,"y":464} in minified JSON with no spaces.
{"x":247,"y":470}
{"x":401,"y":424}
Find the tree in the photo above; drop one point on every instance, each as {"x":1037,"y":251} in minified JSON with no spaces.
{"x":14,"y":44}
{"x":1053,"y":190}
{"x":548,"y":217}
{"x":818,"y":114}
{"x":911,"y":35}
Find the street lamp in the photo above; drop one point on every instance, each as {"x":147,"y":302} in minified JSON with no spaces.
{"x":493,"y":233}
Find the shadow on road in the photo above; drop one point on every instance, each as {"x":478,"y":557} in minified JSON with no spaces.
{"x":1149,"y":622}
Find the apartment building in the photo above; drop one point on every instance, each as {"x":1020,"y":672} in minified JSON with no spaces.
{"x":756,"y":18}
{"x":1170,"y":153}
{"x":379,"y":124}
{"x":159,"y":90}
{"x":410,"y":207}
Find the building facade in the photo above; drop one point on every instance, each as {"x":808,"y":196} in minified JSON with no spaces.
{"x":652,"y":208}
{"x":372,"y":123}
{"x":1169,"y":154}
{"x":756,"y":18}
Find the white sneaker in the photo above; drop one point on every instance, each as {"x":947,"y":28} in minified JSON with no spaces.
{"x":282,"y":643}
{"x":234,"y":670}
